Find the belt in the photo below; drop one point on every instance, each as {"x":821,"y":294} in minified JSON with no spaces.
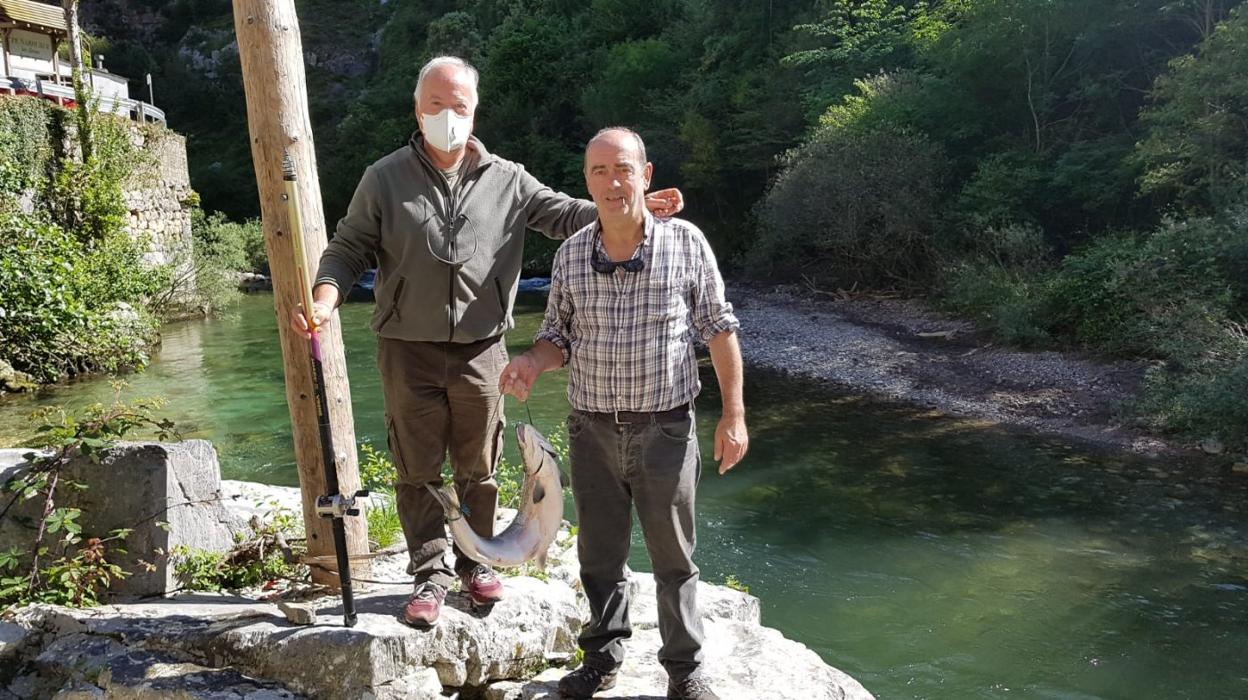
{"x":676,"y":413}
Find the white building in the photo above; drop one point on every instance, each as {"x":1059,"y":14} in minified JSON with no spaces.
{"x":32,"y":32}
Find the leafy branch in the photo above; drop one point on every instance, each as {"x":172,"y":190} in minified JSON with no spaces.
{"x":67,"y":567}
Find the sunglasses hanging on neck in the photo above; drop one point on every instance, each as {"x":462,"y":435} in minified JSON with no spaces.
{"x":606,"y":267}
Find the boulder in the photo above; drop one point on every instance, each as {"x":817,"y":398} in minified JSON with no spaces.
{"x":13,"y":380}
{"x":254,"y":282}
{"x":136,"y":485}
{"x":13,"y":638}
{"x":90,"y":666}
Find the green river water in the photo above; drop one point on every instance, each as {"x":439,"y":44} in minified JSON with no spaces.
{"x":927,"y":557}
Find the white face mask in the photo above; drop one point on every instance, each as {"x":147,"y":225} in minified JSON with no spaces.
{"x":446,"y":130}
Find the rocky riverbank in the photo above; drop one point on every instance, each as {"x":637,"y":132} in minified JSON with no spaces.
{"x":263,"y":646}
{"x":900,"y":350}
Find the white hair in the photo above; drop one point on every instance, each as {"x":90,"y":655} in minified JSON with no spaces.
{"x":445,"y":61}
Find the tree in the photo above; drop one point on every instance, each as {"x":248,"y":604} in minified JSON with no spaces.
{"x":1196,"y":150}
{"x":81,"y":96}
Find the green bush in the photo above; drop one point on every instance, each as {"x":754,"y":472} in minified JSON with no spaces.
{"x":1006,"y":187}
{"x":222,"y":249}
{"x":1206,"y":401}
{"x":74,"y":289}
{"x":1002,"y":286}
{"x":1195,"y":151}
{"x":377,"y":472}
{"x":229,"y":245}
{"x":85,"y":197}
{"x":1158,"y":295}
{"x":1006,"y":303}
{"x":25,"y":149}
{"x":852,"y":207}
{"x":63,"y":304}
{"x":268,"y":553}
{"x":205,"y":276}
{"x":384,"y":527}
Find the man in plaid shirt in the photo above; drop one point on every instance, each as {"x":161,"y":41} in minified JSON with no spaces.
{"x":628,"y":294}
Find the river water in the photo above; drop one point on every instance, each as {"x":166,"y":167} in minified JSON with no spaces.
{"x":928,"y":557}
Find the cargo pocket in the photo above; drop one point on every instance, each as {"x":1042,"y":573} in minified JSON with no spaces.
{"x":392,"y":441}
{"x":496,"y":457}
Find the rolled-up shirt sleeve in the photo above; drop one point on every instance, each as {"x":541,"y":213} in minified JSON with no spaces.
{"x":556,"y":325}
{"x":712,"y":314}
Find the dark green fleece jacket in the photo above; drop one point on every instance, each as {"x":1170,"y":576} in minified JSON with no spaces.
{"x":448,"y":259}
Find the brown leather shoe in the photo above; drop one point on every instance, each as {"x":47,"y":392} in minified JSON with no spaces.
{"x":481,"y":585}
{"x":425,"y":606}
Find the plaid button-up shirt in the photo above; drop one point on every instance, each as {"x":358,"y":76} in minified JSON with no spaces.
{"x":628,"y":337}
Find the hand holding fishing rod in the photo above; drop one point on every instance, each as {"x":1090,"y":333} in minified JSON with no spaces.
{"x":333,"y":504}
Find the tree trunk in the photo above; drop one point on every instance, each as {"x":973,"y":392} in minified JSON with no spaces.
{"x":81,"y":95}
{"x":271,"y":55}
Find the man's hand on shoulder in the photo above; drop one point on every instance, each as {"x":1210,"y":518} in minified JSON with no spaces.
{"x":665,"y":203}
{"x":732,"y":441}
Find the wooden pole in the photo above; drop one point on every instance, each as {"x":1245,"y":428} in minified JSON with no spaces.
{"x":5,"y":48}
{"x":75,"y":40}
{"x":56,"y":67}
{"x":271,"y":55}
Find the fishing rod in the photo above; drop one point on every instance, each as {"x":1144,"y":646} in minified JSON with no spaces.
{"x":333,"y":504}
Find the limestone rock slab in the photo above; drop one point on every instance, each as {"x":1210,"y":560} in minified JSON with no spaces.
{"x":744,"y":662}
{"x":137,"y":485}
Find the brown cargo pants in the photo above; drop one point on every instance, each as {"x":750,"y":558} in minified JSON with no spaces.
{"x":440,"y":398}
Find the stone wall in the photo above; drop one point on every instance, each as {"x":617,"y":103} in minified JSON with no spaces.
{"x":160,"y":197}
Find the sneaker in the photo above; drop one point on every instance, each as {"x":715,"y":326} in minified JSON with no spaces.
{"x":425,"y":605}
{"x":585,"y":681}
{"x":692,"y":688}
{"x":481,"y":585}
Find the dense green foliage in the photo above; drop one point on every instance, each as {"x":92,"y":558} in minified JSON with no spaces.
{"x":1196,"y":149}
{"x":1066,"y":171}
{"x":71,"y":279}
{"x":206,"y":277}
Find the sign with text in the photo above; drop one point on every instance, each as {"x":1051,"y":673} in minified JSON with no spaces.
{"x":30,"y":45}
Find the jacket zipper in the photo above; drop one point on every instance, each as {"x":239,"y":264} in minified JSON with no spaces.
{"x":451,"y":269}
{"x":452,"y":215}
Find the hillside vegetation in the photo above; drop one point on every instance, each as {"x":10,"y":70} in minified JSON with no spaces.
{"x":1068,"y":173}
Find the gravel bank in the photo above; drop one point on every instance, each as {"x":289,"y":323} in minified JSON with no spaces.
{"x":900,"y":350}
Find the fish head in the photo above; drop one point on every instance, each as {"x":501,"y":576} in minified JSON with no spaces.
{"x":534,"y":448}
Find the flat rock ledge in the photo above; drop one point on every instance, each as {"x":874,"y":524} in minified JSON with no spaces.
{"x":231,"y":647}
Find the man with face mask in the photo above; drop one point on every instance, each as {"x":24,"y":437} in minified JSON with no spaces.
{"x":444,"y":220}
